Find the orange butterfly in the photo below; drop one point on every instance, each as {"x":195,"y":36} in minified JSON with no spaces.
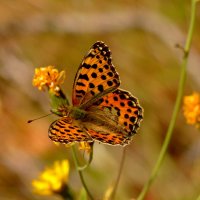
{"x":101,"y":111}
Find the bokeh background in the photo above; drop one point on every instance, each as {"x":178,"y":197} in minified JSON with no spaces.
{"x":142,"y":36}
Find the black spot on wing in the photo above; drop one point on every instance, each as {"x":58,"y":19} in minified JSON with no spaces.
{"x":122,"y":96}
{"x":110,"y":74}
{"x":94,"y":75}
{"x":130,"y":103}
{"x":122,"y":104}
{"x":100,"y":88}
{"x":115,"y":98}
{"x":86,"y":66}
{"x":80,"y":84}
{"x":80,"y":92}
{"x":110,"y":83}
{"x":100,"y":70}
{"x":126,"y":116}
{"x":103,"y":77}
{"x":106,"y":66}
{"x":94,"y":66}
{"x":132,"y":119}
{"x":67,"y":130}
{"x":92,"y":93}
{"x":91,"y":85}
{"x":84,"y":76}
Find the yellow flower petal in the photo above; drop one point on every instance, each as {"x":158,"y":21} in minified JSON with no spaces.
{"x":48,"y":78}
{"x":191,"y":109}
{"x":41,"y":187}
{"x":52,"y":179}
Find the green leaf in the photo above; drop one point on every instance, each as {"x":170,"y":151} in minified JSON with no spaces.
{"x":58,"y":100}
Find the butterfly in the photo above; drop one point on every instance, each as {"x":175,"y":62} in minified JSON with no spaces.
{"x":100,"y":110}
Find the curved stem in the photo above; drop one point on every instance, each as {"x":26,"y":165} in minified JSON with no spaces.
{"x":80,"y":172}
{"x":177,"y":105}
{"x":81,"y":168}
{"x":119,"y":174}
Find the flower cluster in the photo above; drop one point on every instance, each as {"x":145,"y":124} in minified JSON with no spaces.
{"x":48,"y":78}
{"x":52,"y":180}
{"x":191,"y":109}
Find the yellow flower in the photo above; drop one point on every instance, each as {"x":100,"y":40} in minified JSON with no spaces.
{"x":48,"y":77}
{"x":191,"y":109}
{"x":86,"y":146}
{"x":53,"y":180}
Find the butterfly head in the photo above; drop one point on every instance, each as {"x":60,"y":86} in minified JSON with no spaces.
{"x":61,"y":111}
{"x":69,"y":111}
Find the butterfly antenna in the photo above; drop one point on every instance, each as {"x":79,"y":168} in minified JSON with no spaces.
{"x":29,"y":121}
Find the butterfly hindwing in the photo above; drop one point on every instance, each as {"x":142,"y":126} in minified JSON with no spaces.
{"x":95,"y":77}
{"x":125,"y":107}
{"x":64,"y":130}
{"x":109,"y":137}
{"x":102,"y":127}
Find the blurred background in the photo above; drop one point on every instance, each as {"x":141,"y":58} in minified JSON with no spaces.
{"x":142,"y":36}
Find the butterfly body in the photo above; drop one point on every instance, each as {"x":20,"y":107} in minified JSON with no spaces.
{"x":77,"y":113}
{"x":100,"y":110}
{"x":70,"y":111}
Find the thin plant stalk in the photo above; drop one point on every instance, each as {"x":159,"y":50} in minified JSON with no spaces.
{"x":81,"y":168}
{"x":80,"y":173}
{"x":119,"y":174}
{"x":176,"y":107}
{"x":198,"y":198}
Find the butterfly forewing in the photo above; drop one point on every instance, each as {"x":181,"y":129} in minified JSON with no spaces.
{"x":96,"y":76}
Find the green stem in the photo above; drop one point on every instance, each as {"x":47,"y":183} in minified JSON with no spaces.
{"x":80,"y":172}
{"x":198,"y":198}
{"x":177,"y":105}
{"x":81,"y":168}
{"x":119,"y":174}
